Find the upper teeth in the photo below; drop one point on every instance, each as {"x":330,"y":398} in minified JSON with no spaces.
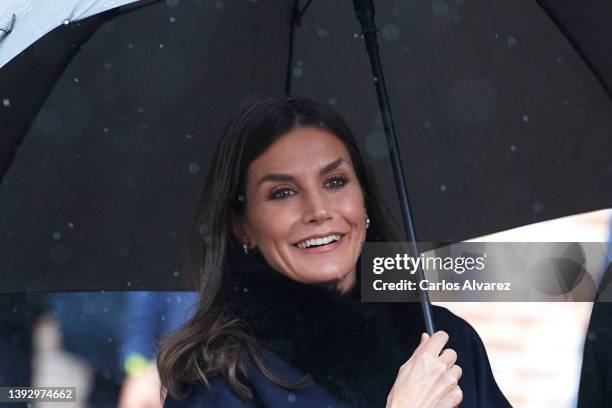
{"x":318,"y":241}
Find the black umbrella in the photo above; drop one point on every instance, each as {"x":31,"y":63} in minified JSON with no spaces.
{"x":501,"y":123}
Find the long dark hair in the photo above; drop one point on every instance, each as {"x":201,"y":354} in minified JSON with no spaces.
{"x":213,"y":342}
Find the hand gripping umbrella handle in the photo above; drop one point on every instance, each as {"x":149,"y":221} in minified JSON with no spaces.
{"x":364,"y":9}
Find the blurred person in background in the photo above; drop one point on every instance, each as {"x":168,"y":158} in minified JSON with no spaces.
{"x":117,"y":334}
{"x":18,"y":313}
{"x":595,"y":390}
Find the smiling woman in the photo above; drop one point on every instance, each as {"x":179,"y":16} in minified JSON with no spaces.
{"x":275,"y":245}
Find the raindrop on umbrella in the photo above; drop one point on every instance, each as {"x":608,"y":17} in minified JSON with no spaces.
{"x":511,"y":42}
{"x":172,"y":3}
{"x":56,"y":235}
{"x":219,"y":5}
{"x":443,"y":187}
{"x":6,"y":102}
{"x":439,"y":7}
{"x":322,"y":32}
{"x":332,"y":101}
{"x":194,"y":168}
{"x":525,"y":118}
{"x":390,"y":32}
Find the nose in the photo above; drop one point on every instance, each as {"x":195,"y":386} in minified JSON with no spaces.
{"x":316,"y":208}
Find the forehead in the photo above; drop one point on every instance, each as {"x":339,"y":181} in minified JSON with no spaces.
{"x":301,"y":150}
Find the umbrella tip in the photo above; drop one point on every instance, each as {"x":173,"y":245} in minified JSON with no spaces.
{"x":11,"y":24}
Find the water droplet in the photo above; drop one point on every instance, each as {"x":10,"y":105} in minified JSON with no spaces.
{"x":591,"y":336}
{"x":130,"y":46}
{"x":538,"y":207}
{"x":439,"y":7}
{"x":172,"y":20}
{"x":322,"y":32}
{"x":298,"y":72}
{"x":560,"y":60}
{"x":355,"y":35}
{"x":163,"y":318}
{"x":172,"y":3}
{"x":70,"y":225}
{"x":219,"y":5}
{"x":390,"y":32}
{"x":108,"y":66}
{"x":511,"y":42}
{"x":291,"y":397}
{"x":76,"y":79}
{"x":299,"y":63}
{"x":6,"y":102}
{"x":56,"y":235}
{"x":512,"y":148}
{"x":427,"y":125}
{"x":333,"y":101}
{"x":188,"y":136}
{"x":161,"y":45}
{"x":375,"y":79}
{"x":496,"y":35}
{"x":194,"y":168}
{"x":129,"y":284}
{"x":525,"y":118}
{"x":106,"y":130}
{"x":376,"y":146}
{"x":66,"y":22}
{"x":245,"y":290}
{"x":110,"y":340}
{"x":140,"y":110}
{"x":443,"y":187}
{"x":176,"y":274}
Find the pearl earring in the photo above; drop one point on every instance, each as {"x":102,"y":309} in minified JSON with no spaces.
{"x":245,"y":247}
{"x":367,"y":221}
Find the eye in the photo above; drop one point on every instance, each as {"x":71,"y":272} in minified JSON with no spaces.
{"x":281,"y":193}
{"x":336,"y":182}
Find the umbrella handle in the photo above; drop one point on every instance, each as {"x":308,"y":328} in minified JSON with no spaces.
{"x":364,"y":9}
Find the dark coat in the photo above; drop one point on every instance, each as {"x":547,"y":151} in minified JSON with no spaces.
{"x":352,"y":350}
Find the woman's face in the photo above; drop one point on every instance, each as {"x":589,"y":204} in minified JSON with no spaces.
{"x":301,"y":193}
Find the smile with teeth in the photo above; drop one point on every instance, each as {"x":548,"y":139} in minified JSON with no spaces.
{"x":317,"y":241}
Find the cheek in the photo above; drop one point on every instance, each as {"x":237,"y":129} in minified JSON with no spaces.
{"x":273,"y":224}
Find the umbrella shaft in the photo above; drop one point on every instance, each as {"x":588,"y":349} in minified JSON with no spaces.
{"x":398,"y":171}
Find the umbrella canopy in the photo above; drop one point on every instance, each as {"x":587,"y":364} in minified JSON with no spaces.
{"x":501,"y":124}
{"x":25,"y":21}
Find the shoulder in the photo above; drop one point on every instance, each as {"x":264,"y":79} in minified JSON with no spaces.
{"x":477,"y":382}
{"x":454,"y":325}
{"x":200,"y":396}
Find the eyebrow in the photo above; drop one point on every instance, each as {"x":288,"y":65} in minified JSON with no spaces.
{"x":288,"y":177}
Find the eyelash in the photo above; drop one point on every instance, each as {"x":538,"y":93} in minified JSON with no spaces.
{"x":274,"y":194}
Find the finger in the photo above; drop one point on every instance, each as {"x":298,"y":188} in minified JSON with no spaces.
{"x":449,"y":357}
{"x":436,"y":342}
{"x":424,"y":339}
{"x":455,"y":371}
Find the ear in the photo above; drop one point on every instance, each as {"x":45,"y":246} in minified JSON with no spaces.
{"x":238,"y":229}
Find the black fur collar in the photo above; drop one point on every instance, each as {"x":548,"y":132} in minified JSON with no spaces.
{"x":352,"y":349}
